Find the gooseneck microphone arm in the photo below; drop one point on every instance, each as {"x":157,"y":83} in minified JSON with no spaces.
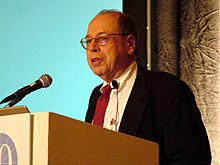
{"x":13,"y":102}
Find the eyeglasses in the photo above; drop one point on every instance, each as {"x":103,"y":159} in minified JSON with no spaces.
{"x":101,"y":39}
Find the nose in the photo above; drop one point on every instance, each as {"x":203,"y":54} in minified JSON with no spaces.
{"x":93,"y":46}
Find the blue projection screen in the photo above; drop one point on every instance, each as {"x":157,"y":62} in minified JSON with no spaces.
{"x":42,"y":37}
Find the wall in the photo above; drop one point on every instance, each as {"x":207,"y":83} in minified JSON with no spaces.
{"x":40,"y":37}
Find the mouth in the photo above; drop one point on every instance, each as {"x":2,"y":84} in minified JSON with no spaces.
{"x":96,"y":60}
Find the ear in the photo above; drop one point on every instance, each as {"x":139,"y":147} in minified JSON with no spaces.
{"x":131,"y":41}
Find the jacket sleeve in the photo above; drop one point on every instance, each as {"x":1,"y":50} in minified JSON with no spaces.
{"x":185,"y":137}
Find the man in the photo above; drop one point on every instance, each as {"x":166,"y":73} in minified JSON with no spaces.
{"x":154,"y":106}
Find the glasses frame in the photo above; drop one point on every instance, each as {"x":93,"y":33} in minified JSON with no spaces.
{"x":83,"y":40}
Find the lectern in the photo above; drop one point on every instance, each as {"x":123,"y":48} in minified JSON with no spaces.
{"x":46,"y":138}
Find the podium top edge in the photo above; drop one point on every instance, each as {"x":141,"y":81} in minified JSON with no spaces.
{"x":13,"y":110}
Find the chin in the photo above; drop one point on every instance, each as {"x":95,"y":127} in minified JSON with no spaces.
{"x":98,"y":73}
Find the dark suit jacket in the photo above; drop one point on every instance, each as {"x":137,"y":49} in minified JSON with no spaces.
{"x":161,"y":108}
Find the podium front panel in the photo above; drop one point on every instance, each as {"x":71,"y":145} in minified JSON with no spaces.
{"x":15,"y":139}
{"x":62,"y":140}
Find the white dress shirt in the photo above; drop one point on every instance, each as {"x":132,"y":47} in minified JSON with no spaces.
{"x":119,"y":97}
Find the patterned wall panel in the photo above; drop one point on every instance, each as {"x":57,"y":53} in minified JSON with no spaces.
{"x":167,"y":32}
{"x":200,"y":62}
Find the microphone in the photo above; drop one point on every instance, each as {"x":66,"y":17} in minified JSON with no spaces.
{"x":43,"y":82}
{"x":115,"y":121}
{"x":115,"y":84}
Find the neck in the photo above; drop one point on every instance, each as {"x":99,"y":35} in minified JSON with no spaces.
{"x":110,"y":78}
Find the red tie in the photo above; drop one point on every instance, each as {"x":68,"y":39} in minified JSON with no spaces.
{"x":101,"y":106}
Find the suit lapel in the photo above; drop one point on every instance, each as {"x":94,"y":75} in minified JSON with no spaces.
{"x":92,"y":104}
{"x":137,"y":103}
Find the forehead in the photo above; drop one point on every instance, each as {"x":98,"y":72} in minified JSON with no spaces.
{"x":104,"y":23}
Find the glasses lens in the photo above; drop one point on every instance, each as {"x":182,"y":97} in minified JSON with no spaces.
{"x":84,"y":43}
{"x":102,"y":39}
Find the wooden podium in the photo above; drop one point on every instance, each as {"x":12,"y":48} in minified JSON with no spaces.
{"x":52,"y":139}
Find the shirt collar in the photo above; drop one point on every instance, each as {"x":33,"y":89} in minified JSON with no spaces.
{"x":130,"y":72}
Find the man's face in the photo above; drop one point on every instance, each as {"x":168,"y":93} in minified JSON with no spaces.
{"x":110,"y":60}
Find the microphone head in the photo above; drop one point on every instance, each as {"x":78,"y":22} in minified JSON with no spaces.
{"x":115,"y":84}
{"x":46,"y":80}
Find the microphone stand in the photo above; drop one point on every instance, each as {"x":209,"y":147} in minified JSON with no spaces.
{"x":13,"y":102}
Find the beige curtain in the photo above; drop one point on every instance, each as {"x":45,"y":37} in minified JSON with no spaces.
{"x":188,"y":43}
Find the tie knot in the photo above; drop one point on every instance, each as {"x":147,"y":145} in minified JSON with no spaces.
{"x":107,"y":90}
